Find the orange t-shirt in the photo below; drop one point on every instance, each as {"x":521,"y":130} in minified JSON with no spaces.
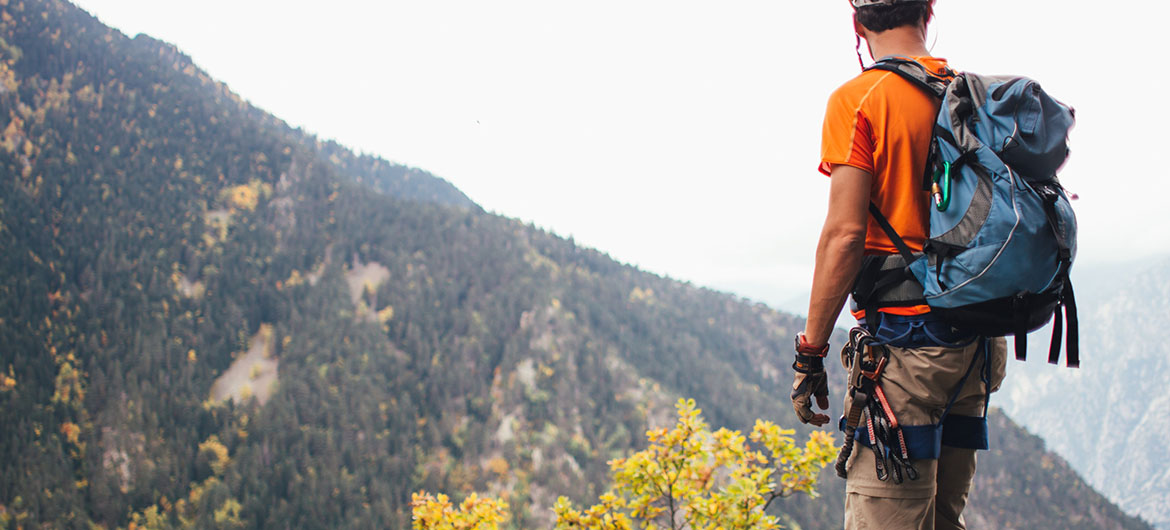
{"x":883,"y":124}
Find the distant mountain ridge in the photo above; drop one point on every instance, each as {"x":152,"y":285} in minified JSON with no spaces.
{"x":387,"y":177}
{"x":164,"y":238}
{"x":1108,"y":418}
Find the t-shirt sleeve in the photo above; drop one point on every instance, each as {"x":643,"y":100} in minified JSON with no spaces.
{"x":846,"y":137}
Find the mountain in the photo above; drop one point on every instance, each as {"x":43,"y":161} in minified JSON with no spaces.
{"x":211,"y":319}
{"x":1107,"y":418}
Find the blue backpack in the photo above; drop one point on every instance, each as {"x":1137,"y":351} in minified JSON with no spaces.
{"x":1002,"y":233}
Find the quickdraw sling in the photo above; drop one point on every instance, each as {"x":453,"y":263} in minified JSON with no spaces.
{"x":866,"y":358}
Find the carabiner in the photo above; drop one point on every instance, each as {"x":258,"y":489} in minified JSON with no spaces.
{"x":940,"y":189}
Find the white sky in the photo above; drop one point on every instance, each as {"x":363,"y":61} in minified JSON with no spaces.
{"x":678,"y":136}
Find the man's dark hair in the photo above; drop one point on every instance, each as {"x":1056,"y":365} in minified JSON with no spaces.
{"x":879,"y":18}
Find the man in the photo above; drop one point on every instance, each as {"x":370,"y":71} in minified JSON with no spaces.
{"x":876,"y":140}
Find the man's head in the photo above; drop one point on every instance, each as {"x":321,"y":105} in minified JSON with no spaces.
{"x":881,"y":15}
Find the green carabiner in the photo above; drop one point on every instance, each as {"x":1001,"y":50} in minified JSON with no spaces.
{"x":940,"y":189}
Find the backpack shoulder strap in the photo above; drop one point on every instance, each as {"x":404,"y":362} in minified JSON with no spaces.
{"x":915,"y":73}
{"x":900,"y":244}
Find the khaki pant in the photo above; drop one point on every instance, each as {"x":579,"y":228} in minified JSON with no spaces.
{"x":918,"y":382}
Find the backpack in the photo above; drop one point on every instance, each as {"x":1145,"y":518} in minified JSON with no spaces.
{"x":1002,"y":234}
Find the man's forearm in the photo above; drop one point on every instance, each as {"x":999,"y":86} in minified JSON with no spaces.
{"x":839,"y":250}
{"x":838,"y":260}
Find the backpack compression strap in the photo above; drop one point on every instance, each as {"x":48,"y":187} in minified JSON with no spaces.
{"x":1067,"y":300}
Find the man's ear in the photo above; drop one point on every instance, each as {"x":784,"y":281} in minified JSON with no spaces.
{"x":857,"y":27}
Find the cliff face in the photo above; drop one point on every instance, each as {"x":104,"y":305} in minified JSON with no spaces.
{"x":1109,"y":417}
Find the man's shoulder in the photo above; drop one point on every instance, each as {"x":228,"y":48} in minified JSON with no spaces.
{"x":870,"y":81}
{"x":855,"y":90}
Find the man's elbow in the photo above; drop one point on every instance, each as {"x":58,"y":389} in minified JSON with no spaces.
{"x":848,"y":238}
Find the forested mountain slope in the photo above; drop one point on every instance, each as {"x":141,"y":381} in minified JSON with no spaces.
{"x":210,"y":319}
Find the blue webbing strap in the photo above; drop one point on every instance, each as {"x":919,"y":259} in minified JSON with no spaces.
{"x":980,"y":351}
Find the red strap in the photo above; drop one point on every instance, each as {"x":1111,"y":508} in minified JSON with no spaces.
{"x":803,"y":347}
{"x":886,"y":406}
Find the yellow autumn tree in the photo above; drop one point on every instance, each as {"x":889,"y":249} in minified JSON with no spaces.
{"x":219,"y":460}
{"x":8,"y":382}
{"x":435,"y":512}
{"x":688,"y":478}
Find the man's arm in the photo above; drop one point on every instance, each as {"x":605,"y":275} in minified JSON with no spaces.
{"x":839,"y":251}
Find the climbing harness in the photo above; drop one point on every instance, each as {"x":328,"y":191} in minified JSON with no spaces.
{"x":866,"y":358}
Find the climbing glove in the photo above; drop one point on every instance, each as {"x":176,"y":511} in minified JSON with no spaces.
{"x":810,"y":381}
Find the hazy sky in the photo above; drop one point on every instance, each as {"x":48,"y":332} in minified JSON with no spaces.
{"x":679,"y":136}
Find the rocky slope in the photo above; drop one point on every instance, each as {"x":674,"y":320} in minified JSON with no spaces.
{"x":1109,"y":417}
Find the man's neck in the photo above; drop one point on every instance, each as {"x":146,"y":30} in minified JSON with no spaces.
{"x":907,"y":41}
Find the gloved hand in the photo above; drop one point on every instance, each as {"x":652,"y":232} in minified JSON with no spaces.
{"x":810,"y":381}
{"x":804,"y":387}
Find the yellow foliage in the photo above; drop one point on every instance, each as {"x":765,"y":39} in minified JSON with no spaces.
{"x":243,"y":197}
{"x":8,"y":79}
{"x":228,"y":514}
{"x":149,"y":519}
{"x":191,"y":356}
{"x":430,"y":512}
{"x":71,"y":431}
{"x":498,"y":466}
{"x":7,"y":382}
{"x":184,"y":512}
{"x":87,"y":94}
{"x":217,"y":450}
{"x":385,"y":314}
{"x":690,"y":477}
{"x":69,"y":386}
{"x":639,"y":294}
{"x":12,"y":135}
